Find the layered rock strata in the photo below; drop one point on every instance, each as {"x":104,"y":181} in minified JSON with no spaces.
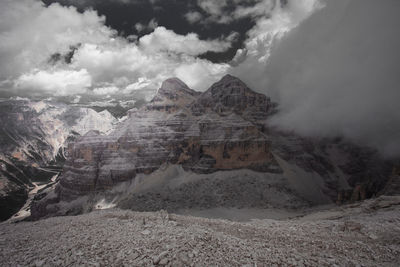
{"x":224,"y":128}
{"x":167,"y":130}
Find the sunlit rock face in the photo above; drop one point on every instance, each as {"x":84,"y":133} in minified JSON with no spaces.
{"x":223,"y":129}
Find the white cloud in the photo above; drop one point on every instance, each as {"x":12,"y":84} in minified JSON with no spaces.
{"x":193,"y":17}
{"x":226,"y":11}
{"x":130,"y":67}
{"x":276,"y":22}
{"x":92,"y":3}
{"x":141,"y":83}
{"x":111,"y":61}
{"x":107,"y":90}
{"x":261,"y":8}
{"x":149,"y":27}
{"x":216,"y":10}
{"x":200,"y":74}
{"x":163,"y":40}
{"x":106,"y":62}
{"x":250,"y":63}
{"x":60,"y":82}
{"x":31,"y":33}
{"x":213,"y":7}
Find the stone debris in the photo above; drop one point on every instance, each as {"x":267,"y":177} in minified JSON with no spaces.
{"x":356,"y":235}
{"x":145,"y":232}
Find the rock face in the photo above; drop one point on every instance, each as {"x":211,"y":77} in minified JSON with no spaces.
{"x":393,"y":185}
{"x":172,"y":96}
{"x":223,"y":129}
{"x":32,"y":139}
{"x":167,"y":130}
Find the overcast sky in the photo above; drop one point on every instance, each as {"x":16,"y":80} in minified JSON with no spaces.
{"x":333,"y":65}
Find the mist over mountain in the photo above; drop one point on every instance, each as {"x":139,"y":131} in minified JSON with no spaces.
{"x":336,"y":74}
{"x":128,"y":126}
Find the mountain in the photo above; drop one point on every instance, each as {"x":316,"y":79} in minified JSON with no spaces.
{"x":191,"y":150}
{"x":33,"y":135}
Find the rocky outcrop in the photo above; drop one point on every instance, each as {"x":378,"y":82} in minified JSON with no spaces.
{"x":223,"y":129}
{"x":392,"y":188}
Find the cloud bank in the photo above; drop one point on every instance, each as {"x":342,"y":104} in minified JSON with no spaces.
{"x":31,"y":34}
{"x":40,"y":44}
{"x":64,"y":82}
{"x":337,"y":74}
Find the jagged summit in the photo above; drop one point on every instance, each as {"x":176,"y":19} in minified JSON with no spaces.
{"x":172,"y":95}
{"x":230,"y":85}
{"x":172,"y":88}
{"x":230,"y":94}
{"x":229,"y":77}
{"x":175,"y":84}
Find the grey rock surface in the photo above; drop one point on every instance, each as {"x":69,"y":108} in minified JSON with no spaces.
{"x":362,"y":234}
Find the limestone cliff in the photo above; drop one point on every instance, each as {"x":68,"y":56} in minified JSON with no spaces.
{"x":223,"y":129}
{"x":167,"y":130}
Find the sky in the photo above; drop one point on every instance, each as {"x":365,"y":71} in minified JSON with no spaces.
{"x":67,"y":47}
{"x":332,"y":65}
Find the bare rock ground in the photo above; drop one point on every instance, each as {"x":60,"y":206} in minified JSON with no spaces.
{"x":362,"y":234}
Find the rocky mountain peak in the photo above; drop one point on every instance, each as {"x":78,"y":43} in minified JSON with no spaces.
{"x":230,"y":94}
{"x":172,"y":88}
{"x":172,"y":94}
{"x":229,"y":85}
{"x":228,"y":78}
{"x":174,"y":84}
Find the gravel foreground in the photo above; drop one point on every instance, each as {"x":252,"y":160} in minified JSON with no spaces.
{"x":363,"y":234}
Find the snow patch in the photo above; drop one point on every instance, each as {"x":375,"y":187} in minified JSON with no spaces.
{"x":103,"y":205}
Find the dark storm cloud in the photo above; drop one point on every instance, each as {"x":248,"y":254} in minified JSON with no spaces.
{"x":338,"y":74}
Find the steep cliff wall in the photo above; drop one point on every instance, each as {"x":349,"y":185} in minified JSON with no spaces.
{"x":223,"y":129}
